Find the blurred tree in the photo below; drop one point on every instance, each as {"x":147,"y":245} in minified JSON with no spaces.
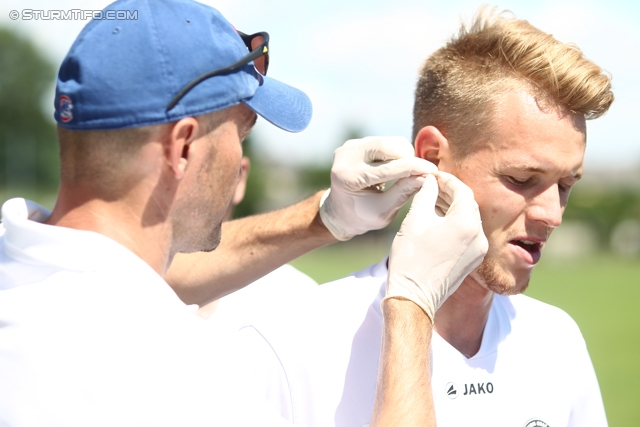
{"x":318,"y":176}
{"x":603,"y":208}
{"x":28,"y":148}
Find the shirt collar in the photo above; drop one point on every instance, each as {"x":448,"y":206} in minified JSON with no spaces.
{"x":27,"y":240}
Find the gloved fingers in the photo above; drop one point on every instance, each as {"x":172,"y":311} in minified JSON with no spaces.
{"x":462,"y":198}
{"x":396,"y":196}
{"x":385,"y":148}
{"x":395,"y":169}
{"x":423,"y":205}
{"x":444,"y":198}
{"x":442,"y":206}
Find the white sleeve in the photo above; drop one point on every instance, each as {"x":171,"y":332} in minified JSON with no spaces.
{"x":261,"y":373}
{"x":587,"y":409}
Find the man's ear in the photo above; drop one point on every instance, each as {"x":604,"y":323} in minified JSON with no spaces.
{"x":241,"y":188}
{"x":183,"y":133}
{"x":431,"y":145}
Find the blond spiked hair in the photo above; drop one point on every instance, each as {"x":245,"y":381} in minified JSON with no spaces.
{"x":460,"y":84}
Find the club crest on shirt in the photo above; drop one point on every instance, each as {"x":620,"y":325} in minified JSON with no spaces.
{"x":536,"y":423}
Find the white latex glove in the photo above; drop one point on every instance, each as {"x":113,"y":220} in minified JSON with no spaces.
{"x":356,"y":201}
{"x":432,"y":254}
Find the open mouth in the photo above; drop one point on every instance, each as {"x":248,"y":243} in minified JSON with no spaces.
{"x":530,"y":252}
{"x":527,"y":245}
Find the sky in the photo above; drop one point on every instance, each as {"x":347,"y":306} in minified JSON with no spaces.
{"x":358,"y":61}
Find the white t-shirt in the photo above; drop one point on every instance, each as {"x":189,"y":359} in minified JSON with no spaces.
{"x":317,"y":363}
{"x":284,"y":285}
{"x":91,"y":335}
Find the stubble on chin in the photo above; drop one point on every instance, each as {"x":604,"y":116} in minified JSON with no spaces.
{"x":208,"y":240}
{"x":200,"y":239}
{"x":497,"y":279}
{"x":213,"y":242}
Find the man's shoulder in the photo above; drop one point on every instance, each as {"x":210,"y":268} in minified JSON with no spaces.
{"x":50,"y":289}
{"x":321,"y":345}
{"x":530,"y":306}
{"x":348,"y":293}
{"x":337,"y":307}
{"x":97,"y":298}
{"x":537,"y":317}
{"x":283,"y":281}
{"x":284,"y":276}
{"x":358,"y":286}
{"x":240,"y":307}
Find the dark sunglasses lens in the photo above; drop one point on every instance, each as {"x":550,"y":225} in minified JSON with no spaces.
{"x":262,"y":62}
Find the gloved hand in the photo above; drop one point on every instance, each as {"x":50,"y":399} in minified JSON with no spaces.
{"x":432,"y":254}
{"x":356,"y":201}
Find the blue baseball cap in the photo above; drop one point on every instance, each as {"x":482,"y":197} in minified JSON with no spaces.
{"x":128,"y":64}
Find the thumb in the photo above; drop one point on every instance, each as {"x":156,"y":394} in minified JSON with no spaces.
{"x":425,"y":199}
{"x":401,"y":191}
{"x":461,"y":196}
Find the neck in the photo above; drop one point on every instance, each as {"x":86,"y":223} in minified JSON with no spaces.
{"x":461,"y":319}
{"x":128,"y":223}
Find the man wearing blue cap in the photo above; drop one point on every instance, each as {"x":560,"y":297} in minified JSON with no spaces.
{"x":151,"y":115}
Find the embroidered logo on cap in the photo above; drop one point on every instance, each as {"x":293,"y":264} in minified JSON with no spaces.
{"x":66,"y":107}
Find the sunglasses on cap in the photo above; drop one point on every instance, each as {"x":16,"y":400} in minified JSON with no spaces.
{"x":258,"y":45}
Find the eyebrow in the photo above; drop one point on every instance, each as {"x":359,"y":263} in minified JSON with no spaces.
{"x":533,"y":169}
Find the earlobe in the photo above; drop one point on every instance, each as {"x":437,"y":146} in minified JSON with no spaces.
{"x":182,"y":135}
{"x":431,"y":145}
{"x":241,"y":188}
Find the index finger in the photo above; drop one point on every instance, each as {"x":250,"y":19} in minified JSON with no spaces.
{"x":384,"y":148}
{"x":461,"y":197}
{"x":396,"y":169}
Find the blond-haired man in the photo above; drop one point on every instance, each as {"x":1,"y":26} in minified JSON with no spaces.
{"x":503,"y":107}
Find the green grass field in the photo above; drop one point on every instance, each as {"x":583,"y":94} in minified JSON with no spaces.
{"x":601,"y":293}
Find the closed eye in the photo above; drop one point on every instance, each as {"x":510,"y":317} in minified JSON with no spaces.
{"x":564,"y":187}
{"x":518,"y":182}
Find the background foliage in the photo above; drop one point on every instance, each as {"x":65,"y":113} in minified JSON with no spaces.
{"x":28,"y":150}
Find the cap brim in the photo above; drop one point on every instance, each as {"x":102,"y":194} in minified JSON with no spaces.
{"x":284,"y":106}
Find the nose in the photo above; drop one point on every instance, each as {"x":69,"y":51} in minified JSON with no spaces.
{"x":547,"y":207}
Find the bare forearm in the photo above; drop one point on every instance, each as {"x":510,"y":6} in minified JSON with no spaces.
{"x":403,"y":393}
{"x":250,"y":248}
